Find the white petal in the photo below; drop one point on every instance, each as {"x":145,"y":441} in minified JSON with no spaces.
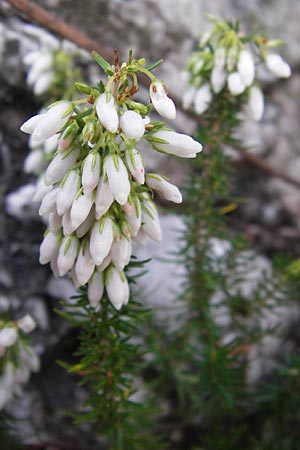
{"x":278,"y":66}
{"x":91,"y":172}
{"x":59,"y":166}
{"x":104,"y":198}
{"x":101,"y":239}
{"x":84,"y":266}
{"x":107,"y":112}
{"x":255,"y":105}
{"x":80,"y":209}
{"x":34,"y":162}
{"x":26,"y":324}
{"x":218,"y":79}
{"x":246,"y":67}
{"x":67,"y":192}
{"x":116,"y":288}
{"x":117,"y":178}
{"x":67,"y":254}
{"x":150,"y":219}
{"x":132,"y":125}
{"x":169,"y":191}
{"x":31,"y":123}
{"x":86,"y":225}
{"x":135,"y":164}
{"x":161,"y":102}
{"x":53,"y":121}
{"x":95,"y":289}
{"x":48,"y":247}
{"x":48,"y":204}
{"x":203,"y":98}
{"x":121,"y":252}
{"x":235,"y":84}
{"x":178,"y":144}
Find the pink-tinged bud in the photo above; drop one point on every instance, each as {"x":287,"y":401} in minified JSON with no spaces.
{"x":150,"y":219}
{"x":135,"y":218}
{"x":34,"y":162}
{"x":8,"y":336}
{"x":102,"y":237}
{"x":235,"y":83}
{"x":105,"y":263}
{"x":66,"y":223}
{"x":84,"y":266}
{"x":48,"y":204}
{"x":31,"y":123}
{"x":26,"y":324}
{"x":95,"y":289}
{"x":67,"y":254}
{"x":80,"y":209}
{"x":177,"y":144}
{"x":107,"y":113}
{"x":278,"y":66}
{"x":67,"y":192}
{"x":168,"y":190}
{"x":135,"y":165}
{"x":127,"y":208}
{"x":59,"y":166}
{"x":117,"y":288}
{"x":91,"y":172}
{"x":56,"y":117}
{"x":117,"y":178}
{"x":49,"y":247}
{"x":121,"y":252}
{"x":246,"y":67}
{"x":55,"y":222}
{"x":161,"y":102}
{"x":218,"y":79}
{"x":203,"y":98}
{"x":255,"y":105}
{"x":132,"y":125}
{"x":86,"y":225}
{"x":104,"y":198}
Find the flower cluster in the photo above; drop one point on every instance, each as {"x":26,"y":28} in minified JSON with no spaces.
{"x":17,"y":358}
{"x":227,"y":60}
{"x":95,"y":191}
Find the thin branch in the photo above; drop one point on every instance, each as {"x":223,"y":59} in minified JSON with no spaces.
{"x":59,"y":27}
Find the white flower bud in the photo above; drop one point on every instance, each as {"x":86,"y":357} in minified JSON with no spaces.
{"x":135,"y":218}
{"x":53,"y":121}
{"x":40,"y":65}
{"x":41,"y":190}
{"x":84,"y":266}
{"x":66,"y":223}
{"x":26,"y":324}
{"x":31,"y":123}
{"x":135,"y":165}
{"x":150,"y":219}
{"x":177,"y":144}
{"x":246,"y":67}
{"x":101,"y":239}
{"x":117,"y":178}
{"x":105,"y":263}
{"x":86,"y":225}
{"x":55,"y":222}
{"x":188,"y":97}
{"x":59,"y":166}
{"x":121,"y":252}
{"x":117,"y":288}
{"x":107,"y":113}
{"x":168,"y":190}
{"x":50,"y":145}
{"x":95,"y":289}
{"x":255,"y":105}
{"x":90,"y":172}
{"x":67,"y":192}
{"x":67,"y":254}
{"x":218,"y":79}
{"x":132,"y":125}
{"x":8,"y":337}
{"x":43,"y":83}
{"x":235,"y":83}
{"x":48,"y":247}
{"x":141,"y":237}
{"x":48,"y":204}
{"x":34,"y":162}
{"x":278,"y":66}
{"x":219,"y":60}
{"x":203,"y":98}
{"x":161,"y":102}
{"x":80,"y":209}
{"x":104,"y":198}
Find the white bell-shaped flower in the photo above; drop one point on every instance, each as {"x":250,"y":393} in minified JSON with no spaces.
{"x":55,"y":222}
{"x":107,"y":112}
{"x":177,"y":144}
{"x":91,"y":172}
{"x":87,"y":224}
{"x":132,"y":125}
{"x":246,"y":67}
{"x":31,"y":123}
{"x":95,"y":288}
{"x":168,"y":190}
{"x":120,"y":252}
{"x":55,"y":118}
{"x":67,"y":192}
{"x":203,"y":98}
{"x":67,"y":254}
{"x":117,"y":287}
{"x":49,"y":247}
{"x":188,"y":97}
{"x":255,"y":104}
{"x":278,"y":66}
{"x":135,"y":165}
{"x":101,"y":240}
{"x":218,"y":78}
{"x":34,"y":162}
{"x":85,"y":265}
{"x":43,"y":83}
{"x":80,"y":209}
{"x":160,"y":100}
{"x":48,"y":204}
{"x":135,"y":217}
{"x":67,"y":224}
{"x":8,"y":336}
{"x":117,"y":178}
{"x":150,"y":220}
{"x":59,"y":166}
{"x":104,"y":198}
{"x":235,"y":84}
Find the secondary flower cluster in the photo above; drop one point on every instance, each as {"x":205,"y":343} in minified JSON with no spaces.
{"x":95,"y":191}
{"x":17,"y":357}
{"x":227,"y":60}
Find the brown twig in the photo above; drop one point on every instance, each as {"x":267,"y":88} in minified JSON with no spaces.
{"x":59,"y":27}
